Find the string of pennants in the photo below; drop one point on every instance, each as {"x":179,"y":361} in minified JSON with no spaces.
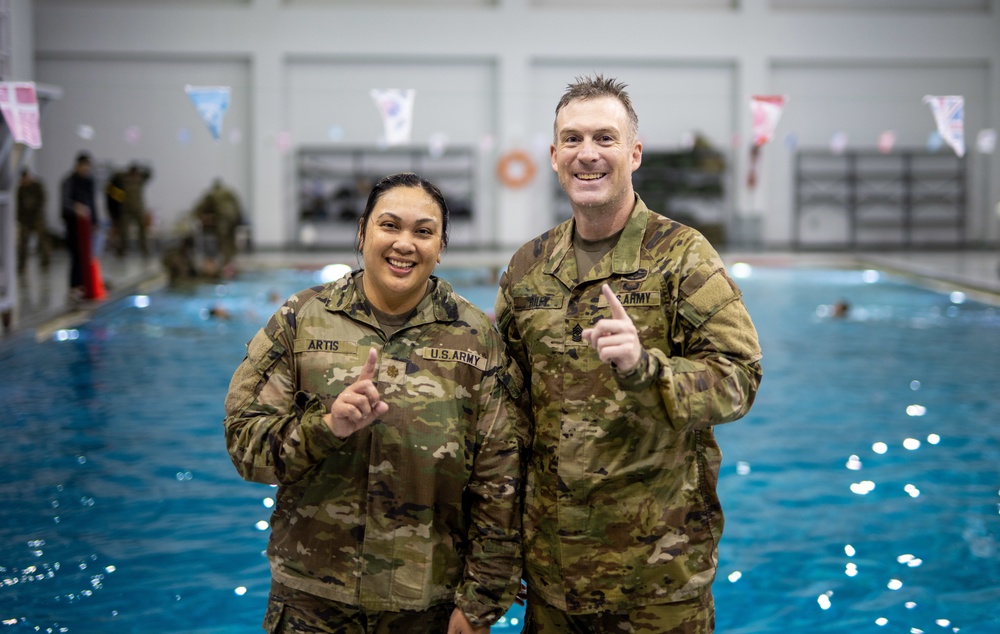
{"x":19,"y":104}
{"x":948,"y":112}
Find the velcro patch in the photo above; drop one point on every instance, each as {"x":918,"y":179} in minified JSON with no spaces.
{"x":460,"y":356}
{"x":531,"y":302}
{"x":634,"y":298}
{"x":704,"y":302}
{"x":325,"y":345}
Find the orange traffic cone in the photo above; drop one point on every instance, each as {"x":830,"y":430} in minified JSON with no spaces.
{"x":94,"y":288}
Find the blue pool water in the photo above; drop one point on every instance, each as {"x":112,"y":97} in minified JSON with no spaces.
{"x":861,"y":493}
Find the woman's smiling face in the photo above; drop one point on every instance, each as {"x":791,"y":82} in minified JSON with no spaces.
{"x":401,"y":245}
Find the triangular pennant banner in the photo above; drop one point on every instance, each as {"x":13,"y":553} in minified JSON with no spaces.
{"x":211,"y":102}
{"x":396,"y":108}
{"x":766,"y":110}
{"x":949,"y":112}
{"x":19,"y":103}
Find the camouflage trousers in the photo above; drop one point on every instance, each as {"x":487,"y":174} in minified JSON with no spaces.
{"x":694,"y":616}
{"x":294,"y":612}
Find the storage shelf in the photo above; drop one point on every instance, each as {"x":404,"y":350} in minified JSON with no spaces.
{"x":333,"y":183}
{"x":687,"y":186}
{"x":901,"y":192}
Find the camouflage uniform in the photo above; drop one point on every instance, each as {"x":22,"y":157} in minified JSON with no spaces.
{"x":31,"y":221}
{"x":421,"y":508}
{"x":133,"y":208}
{"x":621,"y":508}
{"x":692,"y":616}
{"x":219,"y":212}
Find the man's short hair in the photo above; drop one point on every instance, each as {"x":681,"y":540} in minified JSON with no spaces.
{"x":599,"y":86}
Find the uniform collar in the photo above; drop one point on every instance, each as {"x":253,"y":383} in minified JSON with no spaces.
{"x":625,"y":257}
{"x":438,"y":305}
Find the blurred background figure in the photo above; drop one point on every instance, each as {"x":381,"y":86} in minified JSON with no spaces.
{"x":840,"y":309}
{"x":114,"y":198}
{"x":220,"y":214}
{"x":180,"y":262}
{"x":133,"y":208}
{"x":79,"y":213}
{"x":31,"y":221}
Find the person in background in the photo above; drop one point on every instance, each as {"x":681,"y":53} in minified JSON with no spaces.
{"x":387,"y":411}
{"x":79,"y":213}
{"x":31,"y":221}
{"x":114,"y":196}
{"x":180,"y":263}
{"x":635,"y":342}
{"x":220,"y":214}
{"x":133,"y":208}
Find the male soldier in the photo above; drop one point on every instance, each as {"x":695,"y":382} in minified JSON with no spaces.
{"x":31,"y":220}
{"x":79,"y":213}
{"x":133,"y":207}
{"x":635,"y":342}
{"x":114,"y":197}
{"x":219,"y":212}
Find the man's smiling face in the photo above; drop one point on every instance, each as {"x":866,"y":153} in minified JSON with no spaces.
{"x":595,"y":153}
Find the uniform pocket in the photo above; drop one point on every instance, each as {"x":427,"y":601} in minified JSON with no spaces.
{"x":272,"y":616}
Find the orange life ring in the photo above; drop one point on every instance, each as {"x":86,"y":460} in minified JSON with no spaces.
{"x":515,"y":169}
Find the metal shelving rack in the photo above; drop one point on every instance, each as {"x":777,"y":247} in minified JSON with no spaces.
{"x":334,"y":182}
{"x":902,"y":199}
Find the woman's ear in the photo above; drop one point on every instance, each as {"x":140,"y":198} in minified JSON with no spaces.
{"x":361,"y":235}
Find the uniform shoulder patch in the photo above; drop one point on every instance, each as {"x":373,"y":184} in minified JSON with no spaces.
{"x":714,"y":293}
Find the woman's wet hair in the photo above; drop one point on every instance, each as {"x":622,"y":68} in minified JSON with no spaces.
{"x":403,"y":179}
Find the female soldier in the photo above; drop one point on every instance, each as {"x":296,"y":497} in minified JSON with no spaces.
{"x":386,"y":410}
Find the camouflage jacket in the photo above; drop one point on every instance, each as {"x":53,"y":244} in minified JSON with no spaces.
{"x":132,"y":184}
{"x":30,"y":202}
{"x":620,"y":503}
{"x":423,"y":507}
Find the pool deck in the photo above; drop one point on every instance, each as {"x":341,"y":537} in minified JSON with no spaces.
{"x":44,"y":305}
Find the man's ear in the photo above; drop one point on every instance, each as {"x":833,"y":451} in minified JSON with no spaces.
{"x":636,"y":155}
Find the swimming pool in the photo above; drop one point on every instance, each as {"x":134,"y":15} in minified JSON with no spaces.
{"x":861,"y":493}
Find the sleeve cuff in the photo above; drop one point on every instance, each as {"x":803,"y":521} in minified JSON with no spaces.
{"x":315,"y":433}
{"x":479,"y":614}
{"x":641,"y":376}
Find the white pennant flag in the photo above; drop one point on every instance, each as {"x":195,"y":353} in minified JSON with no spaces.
{"x":19,"y":103}
{"x":766,"y":110}
{"x":949,"y":112}
{"x":396,"y":108}
{"x":211,"y":102}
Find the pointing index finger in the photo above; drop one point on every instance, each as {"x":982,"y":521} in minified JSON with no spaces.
{"x":617,"y":310}
{"x":368,"y":371}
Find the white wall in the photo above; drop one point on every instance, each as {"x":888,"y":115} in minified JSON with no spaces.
{"x":329,"y":104}
{"x":137,"y":110}
{"x":863,"y":100}
{"x":856,"y":66}
{"x":22,"y":41}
